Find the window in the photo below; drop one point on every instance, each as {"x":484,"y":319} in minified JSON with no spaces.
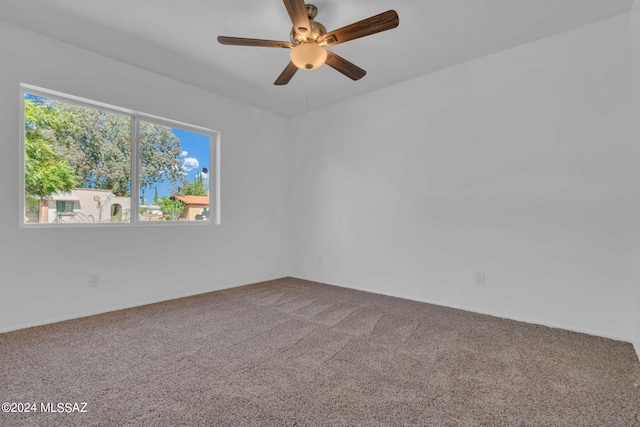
{"x":64,"y":207}
{"x":90,"y":163}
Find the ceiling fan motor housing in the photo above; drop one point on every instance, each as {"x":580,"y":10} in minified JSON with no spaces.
{"x":312,"y":11}
{"x":316,"y":31}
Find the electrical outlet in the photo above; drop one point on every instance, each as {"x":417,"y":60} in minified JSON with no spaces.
{"x":94,"y":279}
{"x":479,"y":277}
{"x":320,"y":259}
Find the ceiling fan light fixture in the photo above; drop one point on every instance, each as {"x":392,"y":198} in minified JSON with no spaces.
{"x":308,"y":56}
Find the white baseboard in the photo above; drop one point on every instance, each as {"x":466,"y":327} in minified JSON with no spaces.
{"x":132,"y":305}
{"x":636,"y":345}
{"x":480,"y":311}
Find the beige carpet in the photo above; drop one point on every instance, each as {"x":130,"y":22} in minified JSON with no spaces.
{"x":291,"y":352}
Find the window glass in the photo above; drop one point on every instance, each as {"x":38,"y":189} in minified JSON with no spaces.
{"x":174,"y":173}
{"x":77,"y":162}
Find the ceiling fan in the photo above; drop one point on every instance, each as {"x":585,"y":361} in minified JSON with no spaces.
{"x":309,"y":38}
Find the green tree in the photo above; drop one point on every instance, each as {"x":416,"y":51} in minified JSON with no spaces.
{"x":159,"y":155}
{"x":100,"y":153}
{"x":46,"y":172}
{"x":197,"y":188}
{"x":171,"y":208}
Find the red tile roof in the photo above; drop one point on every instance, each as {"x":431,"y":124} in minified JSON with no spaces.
{"x":194,"y":200}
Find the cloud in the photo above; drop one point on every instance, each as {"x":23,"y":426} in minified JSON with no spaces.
{"x":190,"y":163}
{"x":184,"y":154}
{"x":205,"y":177}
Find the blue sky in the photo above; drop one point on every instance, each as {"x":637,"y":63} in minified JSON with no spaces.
{"x":195,"y":157}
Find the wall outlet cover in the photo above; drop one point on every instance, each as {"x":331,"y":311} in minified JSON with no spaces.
{"x":94,"y":279}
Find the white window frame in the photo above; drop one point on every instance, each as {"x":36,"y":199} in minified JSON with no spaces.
{"x":136,"y":117}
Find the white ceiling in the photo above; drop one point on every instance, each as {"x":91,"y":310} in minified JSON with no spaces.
{"x":177,"y":38}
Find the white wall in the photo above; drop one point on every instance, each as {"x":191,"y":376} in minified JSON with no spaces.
{"x":636,"y":145}
{"x":150,"y":263}
{"x":518,"y":164}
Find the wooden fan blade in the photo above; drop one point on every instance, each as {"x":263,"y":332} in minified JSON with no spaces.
{"x":286,"y":75}
{"x":238,"y":41}
{"x":376,"y":24}
{"x":298,"y":14}
{"x":345,"y":67}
